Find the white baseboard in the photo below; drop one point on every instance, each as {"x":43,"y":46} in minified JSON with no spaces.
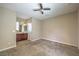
{"x":34,"y":39}
{"x":7,"y":48}
{"x":61,"y":42}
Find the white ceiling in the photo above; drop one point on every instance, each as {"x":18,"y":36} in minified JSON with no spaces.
{"x":25,"y":10}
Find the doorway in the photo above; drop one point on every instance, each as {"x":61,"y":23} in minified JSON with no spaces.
{"x":23,"y":29}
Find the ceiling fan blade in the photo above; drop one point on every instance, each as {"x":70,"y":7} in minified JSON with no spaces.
{"x":46,"y":9}
{"x":41,"y":7}
{"x":42,"y":12}
{"x":36,"y":9}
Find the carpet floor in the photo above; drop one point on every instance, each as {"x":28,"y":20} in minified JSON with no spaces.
{"x":41,"y":48}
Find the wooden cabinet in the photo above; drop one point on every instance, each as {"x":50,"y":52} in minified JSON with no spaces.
{"x":21,"y":36}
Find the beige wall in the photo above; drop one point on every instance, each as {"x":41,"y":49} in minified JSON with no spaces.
{"x":0,"y":24}
{"x":36,"y":29}
{"x":62,"y":29}
{"x":7,"y":28}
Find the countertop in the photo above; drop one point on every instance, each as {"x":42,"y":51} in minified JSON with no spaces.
{"x":20,"y":32}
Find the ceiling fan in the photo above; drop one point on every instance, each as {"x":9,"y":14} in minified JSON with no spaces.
{"x":41,"y":8}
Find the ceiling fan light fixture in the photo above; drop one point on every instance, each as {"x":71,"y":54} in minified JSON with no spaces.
{"x":41,"y":8}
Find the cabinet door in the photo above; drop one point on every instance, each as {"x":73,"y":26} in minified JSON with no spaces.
{"x":20,"y":37}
